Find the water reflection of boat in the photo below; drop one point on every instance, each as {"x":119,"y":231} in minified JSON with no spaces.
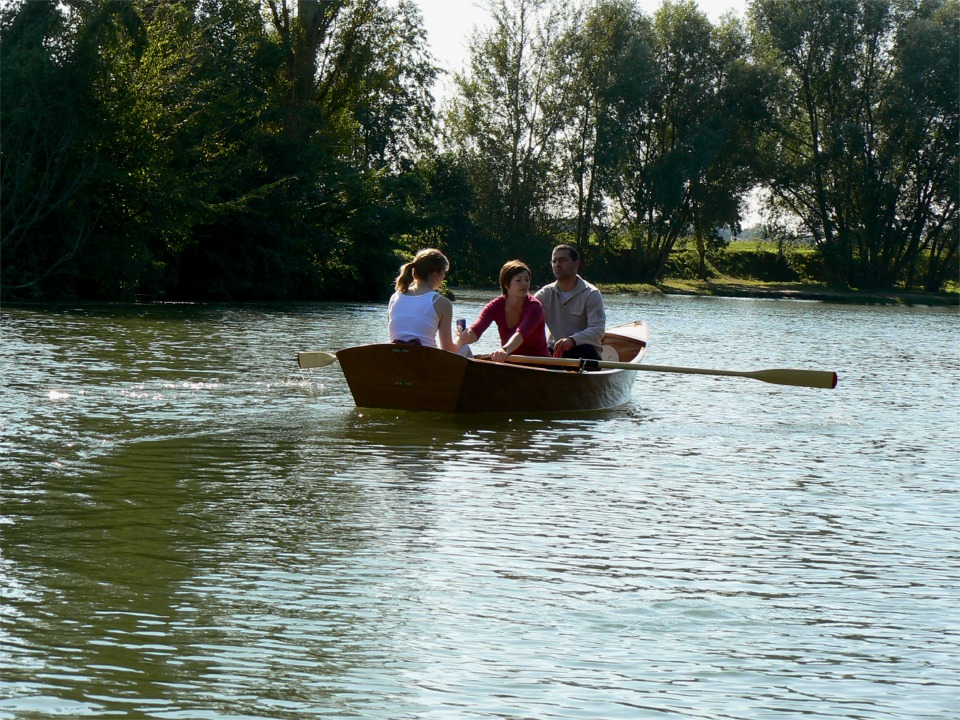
{"x":410,"y":377}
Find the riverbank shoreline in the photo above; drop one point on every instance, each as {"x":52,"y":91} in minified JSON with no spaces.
{"x":721,"y":287}
{"x":730,"y":287}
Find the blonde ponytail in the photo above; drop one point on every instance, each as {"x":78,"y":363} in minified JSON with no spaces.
{"x":427,"y":262}
{"x":405,"y":278}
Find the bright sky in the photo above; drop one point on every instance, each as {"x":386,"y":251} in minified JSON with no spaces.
{"x":450,"y":22}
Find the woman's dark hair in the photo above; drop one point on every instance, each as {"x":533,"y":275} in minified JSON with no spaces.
{"x":510,"y":270}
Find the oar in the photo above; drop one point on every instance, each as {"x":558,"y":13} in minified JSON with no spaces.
{"x":801,"y":378}
{"x":315,"y":359}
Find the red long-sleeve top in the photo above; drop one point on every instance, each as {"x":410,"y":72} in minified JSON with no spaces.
{"x":532,"y":325}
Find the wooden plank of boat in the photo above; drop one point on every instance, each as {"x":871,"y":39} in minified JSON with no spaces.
{"x":410,"y":377}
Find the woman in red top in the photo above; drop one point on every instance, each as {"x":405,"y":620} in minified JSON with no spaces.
{"x":518,"y":315}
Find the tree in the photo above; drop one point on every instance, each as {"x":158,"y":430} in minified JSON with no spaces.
{"x":194,"y":150}
{"x":688,"y":142}
{"x":611,"y":72}
{"x":504,"y":120}
{"x":394,"y":103}
{"x":865,"y":146}
{"x":357,"y":112}
{"x":924,"y":106}
{"x":229,"y":221}
{"x":442,"y":202}
{"x":53,"y":63}
{"x":740,"y":115}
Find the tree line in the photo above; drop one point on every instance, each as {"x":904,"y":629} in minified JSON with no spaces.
{"x":293,"y":149}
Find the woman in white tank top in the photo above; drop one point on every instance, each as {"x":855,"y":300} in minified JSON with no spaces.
{"x":417,"y":312}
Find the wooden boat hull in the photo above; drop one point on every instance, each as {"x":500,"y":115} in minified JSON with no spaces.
{"x":410,"y":377}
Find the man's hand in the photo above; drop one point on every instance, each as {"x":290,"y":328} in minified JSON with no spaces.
{"x":562,"y":346}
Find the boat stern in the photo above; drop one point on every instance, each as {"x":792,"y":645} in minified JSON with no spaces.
{"x":403,"y":377}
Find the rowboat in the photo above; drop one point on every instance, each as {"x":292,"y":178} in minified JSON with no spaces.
{"x":411,"y":377}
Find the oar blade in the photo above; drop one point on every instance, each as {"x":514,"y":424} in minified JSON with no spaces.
{"x":799,"y":378}
{"x":315,"y":359}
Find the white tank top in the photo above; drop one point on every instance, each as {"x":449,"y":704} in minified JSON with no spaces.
{"x":413,"y":317}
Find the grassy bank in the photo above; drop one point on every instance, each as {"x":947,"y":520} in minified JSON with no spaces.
{"x":734,"y":287}
{"x":749,"y":269}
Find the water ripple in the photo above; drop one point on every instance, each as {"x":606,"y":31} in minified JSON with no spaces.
{"x":194,"y":528}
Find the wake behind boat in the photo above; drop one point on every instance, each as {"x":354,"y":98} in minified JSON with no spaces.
{"x":411,"y":377}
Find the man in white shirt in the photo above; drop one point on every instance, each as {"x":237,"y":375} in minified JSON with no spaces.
{"x":574,"y":308}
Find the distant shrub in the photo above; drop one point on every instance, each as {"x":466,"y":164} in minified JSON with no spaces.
{"x":683,"y":263}
{"x":807,"y":263}
{"x":756,"y":265}
{"x":768,"y":262}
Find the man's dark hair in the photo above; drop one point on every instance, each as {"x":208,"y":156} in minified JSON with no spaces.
{"x":574,"y":255}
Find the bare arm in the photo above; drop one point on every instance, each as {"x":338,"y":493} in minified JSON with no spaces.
{"x":444,"y":310}
{"x":467,"y":337}
{"x":515,"y":341}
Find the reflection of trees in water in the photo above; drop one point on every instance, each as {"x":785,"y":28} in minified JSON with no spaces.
{"x":190,"y":559}
{"x":291,"y":520}
{"x":107,"y":558}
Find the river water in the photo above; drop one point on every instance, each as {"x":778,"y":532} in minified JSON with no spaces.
{"x":192,"y":527}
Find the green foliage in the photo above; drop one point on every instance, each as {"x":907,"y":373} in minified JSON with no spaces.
{"x":756,"y":264}
{"x":692,"y":141}
{"x":865,"y":146}
{"x":223,"y":149}
{"x":198,"y":150}
{"x":503,"y":126}
{"x":54,"y":75}
{"x":747,"y":260}
{"x":609,"y":61}
{"x":443,"y":204}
